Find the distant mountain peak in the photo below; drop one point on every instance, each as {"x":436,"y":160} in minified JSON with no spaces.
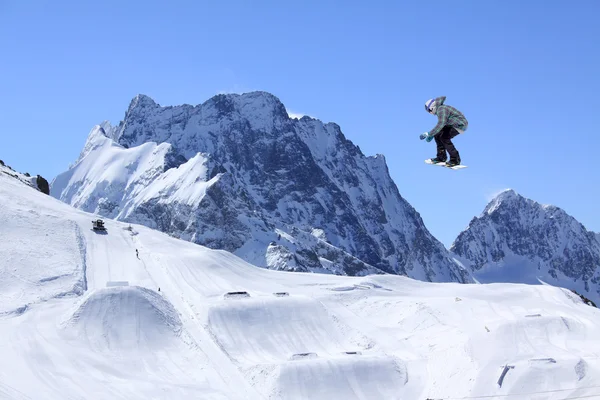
{"x":520,"y":240}
{"x":510,"y":201}
{"x":508,"y":194}
{"x":504,"y":198}
{"x":141,"y":100}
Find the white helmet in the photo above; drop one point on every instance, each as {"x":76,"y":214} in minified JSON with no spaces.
{"x":430,"y":106}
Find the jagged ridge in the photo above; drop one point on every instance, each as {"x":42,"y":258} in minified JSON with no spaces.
{"x":517,"y":239}
{"x":262,"y":173}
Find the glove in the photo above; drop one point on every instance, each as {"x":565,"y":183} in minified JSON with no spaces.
{"x":426,"y":136}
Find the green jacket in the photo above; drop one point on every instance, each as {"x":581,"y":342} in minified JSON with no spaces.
{"x":448,"y":115}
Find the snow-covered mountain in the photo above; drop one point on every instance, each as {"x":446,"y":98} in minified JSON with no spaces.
{"x":237,"y":173}
{"x":516,"y":239}
{"x":131,"y":313}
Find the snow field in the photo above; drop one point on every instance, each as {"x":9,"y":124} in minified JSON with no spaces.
{"x":468,"y":334}
{"x":77,"y":336}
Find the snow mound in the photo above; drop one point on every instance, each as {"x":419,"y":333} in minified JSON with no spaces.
{"x":541,"y":342}
{"x":534,"y":348}
{"x":343,"y":378}
{"x":273,"y":329}
{"x":512,"y":378}
{"x":125,"y":318}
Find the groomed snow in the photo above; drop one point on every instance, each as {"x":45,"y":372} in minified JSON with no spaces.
{"x":82,"y":317}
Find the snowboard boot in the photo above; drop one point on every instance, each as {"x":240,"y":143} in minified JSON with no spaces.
{"x":436,"y":160}
{"x":452,"y":163}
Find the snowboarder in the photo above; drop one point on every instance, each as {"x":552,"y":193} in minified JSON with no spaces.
{"x":137,"y":254}
{"x":451,"y":123}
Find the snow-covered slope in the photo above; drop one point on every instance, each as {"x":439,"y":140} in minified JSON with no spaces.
{"x":237,"y":173}
{"x":36,"y":182}
{"x":132,"y":313}
{"x":516,"y":239}
{"x":33,"y":270}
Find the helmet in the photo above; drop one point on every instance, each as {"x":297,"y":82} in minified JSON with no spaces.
{"x":430,"y":106}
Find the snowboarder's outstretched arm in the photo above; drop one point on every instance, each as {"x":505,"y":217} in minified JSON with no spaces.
{"x":442,"y":113}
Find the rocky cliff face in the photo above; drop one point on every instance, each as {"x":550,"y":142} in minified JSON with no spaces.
{"x":237,"y":173}
{"x":519,"y":240}
{"x":36,"y":182}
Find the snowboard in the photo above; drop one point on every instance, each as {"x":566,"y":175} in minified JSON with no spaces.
{"x":444,"y":165}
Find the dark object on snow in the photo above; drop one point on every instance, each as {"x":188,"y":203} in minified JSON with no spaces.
{"x":159,"y":289}
{"x":585,"y":299}
{"x":237,"y":294}
{"x":42,"y":184}
{"x":298,"y":356}
{"x":2,"y":163}
{"x":98,"y":225}
{"x":281,"y":294}
{"x":27,"y":174}
{"x":503,"y":374}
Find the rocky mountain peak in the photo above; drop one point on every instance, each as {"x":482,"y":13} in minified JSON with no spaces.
{"x":520,"y":240}
{"x":141,"y":101}
{"x":237,"y":173}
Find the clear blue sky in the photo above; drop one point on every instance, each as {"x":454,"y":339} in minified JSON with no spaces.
{"x":525,"y":73}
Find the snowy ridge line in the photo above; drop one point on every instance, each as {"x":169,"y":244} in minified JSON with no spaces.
{"x":30,"y":181}
{"x":16,"y":176}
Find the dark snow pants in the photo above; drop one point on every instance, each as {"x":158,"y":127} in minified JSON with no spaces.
{"x":443,"y":141}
